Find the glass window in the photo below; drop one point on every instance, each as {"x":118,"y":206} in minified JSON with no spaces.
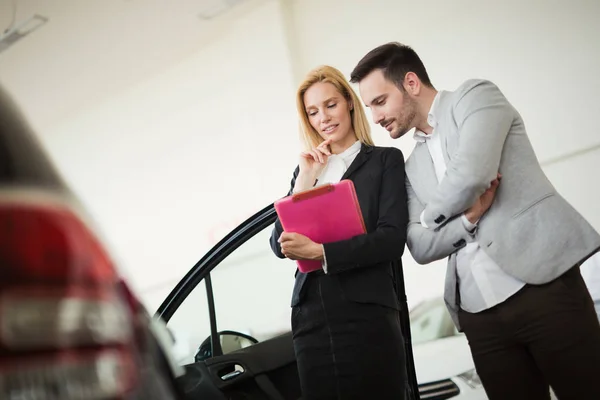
{"x":252,"y":291}
{"x":429,"y":321}
{"x":190,"y":325}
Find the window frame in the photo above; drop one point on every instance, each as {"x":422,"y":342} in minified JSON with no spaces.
{"x":202,"y":269}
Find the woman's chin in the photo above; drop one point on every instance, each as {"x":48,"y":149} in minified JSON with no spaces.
{"x":335,"y":137}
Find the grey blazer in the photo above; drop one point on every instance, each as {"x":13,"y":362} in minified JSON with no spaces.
{"x":530,"y":231}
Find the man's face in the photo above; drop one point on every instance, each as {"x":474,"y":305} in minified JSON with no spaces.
{"x":391,"y":107}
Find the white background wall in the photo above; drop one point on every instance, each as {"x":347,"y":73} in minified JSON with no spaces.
{"x":170,"y":159}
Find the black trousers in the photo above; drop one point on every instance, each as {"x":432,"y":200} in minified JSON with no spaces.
{"x":543,"y":335}
{"x":346,"y":350}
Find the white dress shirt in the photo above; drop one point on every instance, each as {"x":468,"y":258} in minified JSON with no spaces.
{"x":482,"y":283}
{"x":337,"y":165}
{"x":590,"y":272}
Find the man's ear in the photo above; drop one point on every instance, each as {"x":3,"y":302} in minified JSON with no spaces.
{"x":412,"y":84}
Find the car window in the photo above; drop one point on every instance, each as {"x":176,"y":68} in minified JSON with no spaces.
{"x":430,"y":322}
{"x":253,"y":289}
{"x":252,"y":292}
{"x":190,"y":325}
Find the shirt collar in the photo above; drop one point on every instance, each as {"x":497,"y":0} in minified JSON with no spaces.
{"x":421,"y":136}
{"x":351,"y":151}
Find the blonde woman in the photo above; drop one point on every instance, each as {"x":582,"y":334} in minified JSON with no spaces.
{"x":345,"y":318}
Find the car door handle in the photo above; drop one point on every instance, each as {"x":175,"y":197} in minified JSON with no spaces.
{"x":239,"y":370}
{"x":231,"y":375}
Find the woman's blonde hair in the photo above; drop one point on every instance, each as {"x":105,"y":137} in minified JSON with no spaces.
{"x":327,"y":74}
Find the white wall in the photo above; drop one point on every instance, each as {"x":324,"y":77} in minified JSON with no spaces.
{"x":543,"y":54}
{"x":169,"y":165}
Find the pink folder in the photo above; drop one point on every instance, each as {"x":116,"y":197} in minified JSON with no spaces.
{"x":325,"y":214}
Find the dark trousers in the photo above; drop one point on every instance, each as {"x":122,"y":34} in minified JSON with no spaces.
{"x":346,"y":350}
{"x":543,"y":335}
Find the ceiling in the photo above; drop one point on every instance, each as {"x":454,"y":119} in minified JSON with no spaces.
{"x":92,"y":49}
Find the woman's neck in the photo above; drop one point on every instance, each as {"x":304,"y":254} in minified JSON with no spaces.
{"x":344,"y":144}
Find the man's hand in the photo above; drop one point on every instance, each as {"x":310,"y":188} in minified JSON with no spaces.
{"x":484,"y":202}
{"x":298,"y":247}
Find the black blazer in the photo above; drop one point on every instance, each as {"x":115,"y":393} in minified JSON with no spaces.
{"x":364,"y":264}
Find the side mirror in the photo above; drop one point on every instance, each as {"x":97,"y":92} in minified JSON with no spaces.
{"x":230,"y":341}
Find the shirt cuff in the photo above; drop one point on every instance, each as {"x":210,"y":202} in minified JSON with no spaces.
{"x":469,"y":226}
{"x":422,"y":218}
{"x":324,"y":263}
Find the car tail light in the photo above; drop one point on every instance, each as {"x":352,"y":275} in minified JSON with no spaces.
{"x":65,"y":325}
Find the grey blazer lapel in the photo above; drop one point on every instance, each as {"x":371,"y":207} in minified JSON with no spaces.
{"x":448,"y":143}
{"x":421,"y":173}
{"x":446,"y":147}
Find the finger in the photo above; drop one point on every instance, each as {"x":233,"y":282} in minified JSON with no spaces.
{"x":324,"y":151}
{"x":323,"y":154}
{"x":319,"y":155}
{"x":285,"y":237}
{"x":297,"y":236}
{"x":490,"y":191}
{"x":286,"y":248}
{"x":314,"y":155}
{"x":324,"y":147}
{"x":306,"y":154}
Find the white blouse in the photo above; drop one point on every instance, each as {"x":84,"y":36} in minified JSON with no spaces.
{"x":337,"y":165}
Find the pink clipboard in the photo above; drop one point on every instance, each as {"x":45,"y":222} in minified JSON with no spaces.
{"x":325,"y":214}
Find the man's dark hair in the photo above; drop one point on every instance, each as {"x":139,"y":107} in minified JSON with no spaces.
{"x":395,"y":60}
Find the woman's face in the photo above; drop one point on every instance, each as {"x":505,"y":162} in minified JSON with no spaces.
{"x":329,"y":113}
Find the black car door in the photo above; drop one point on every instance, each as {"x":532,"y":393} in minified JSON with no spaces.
{"x":230,"y":320}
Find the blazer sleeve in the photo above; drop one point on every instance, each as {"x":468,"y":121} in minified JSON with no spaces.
{"x":387,"y":241}
{"x":484,"y":118}
{"x":428,"y":245}
{"x":277,"y":228}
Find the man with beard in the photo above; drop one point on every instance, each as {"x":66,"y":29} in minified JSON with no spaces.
{"x":514,"y":247}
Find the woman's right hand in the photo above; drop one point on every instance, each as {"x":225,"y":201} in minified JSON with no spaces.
{"x":312,"y":163}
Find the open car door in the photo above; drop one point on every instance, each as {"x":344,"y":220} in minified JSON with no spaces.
{"x":233,"y":330}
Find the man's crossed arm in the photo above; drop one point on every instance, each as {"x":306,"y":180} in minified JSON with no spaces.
{"x":484,"y":117}
{"x":428,"y":245}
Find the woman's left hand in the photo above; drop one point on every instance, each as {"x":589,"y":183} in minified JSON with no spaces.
{"x":298,"y":247}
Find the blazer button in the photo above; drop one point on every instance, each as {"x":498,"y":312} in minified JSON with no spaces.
{"x":460,"y":243}
{"x":440,"y":219}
